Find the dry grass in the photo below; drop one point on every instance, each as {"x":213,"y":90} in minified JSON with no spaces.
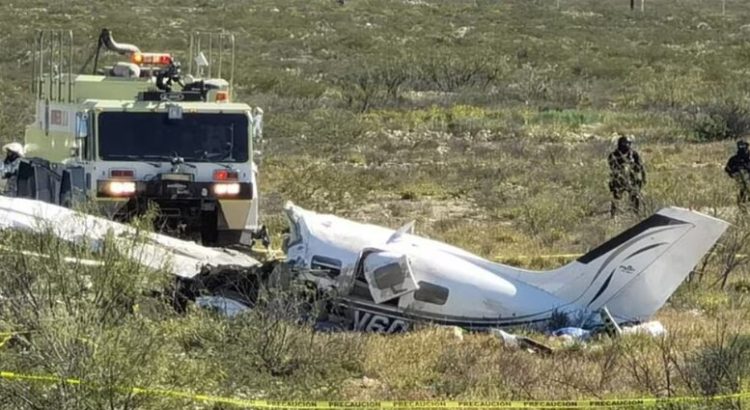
{"x":494,"y":140}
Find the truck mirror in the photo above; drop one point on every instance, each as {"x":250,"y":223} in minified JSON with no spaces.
{"x":82,"y":125}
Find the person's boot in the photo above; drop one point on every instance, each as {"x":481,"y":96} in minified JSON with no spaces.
{"x":742,"y":200}
{"x":635,"y":202}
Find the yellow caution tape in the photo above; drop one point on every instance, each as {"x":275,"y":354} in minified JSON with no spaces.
{"x":17,"y":332}
{"x":444,"y":404}
{"x":5,"y":340}
{"x":6,"y":336}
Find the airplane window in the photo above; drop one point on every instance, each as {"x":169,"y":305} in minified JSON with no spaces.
{"x":431,"y":293}
{"x":388,"y":276}
{"x":333,"y":266}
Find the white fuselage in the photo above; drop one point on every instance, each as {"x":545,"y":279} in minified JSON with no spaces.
{"x":387,"y":278}
{"x":479,"y":293}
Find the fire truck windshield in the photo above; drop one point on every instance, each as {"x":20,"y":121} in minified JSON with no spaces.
{"x":195,"y":137}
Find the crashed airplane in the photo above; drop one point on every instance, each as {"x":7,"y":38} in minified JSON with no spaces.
{"x":385,"y":279}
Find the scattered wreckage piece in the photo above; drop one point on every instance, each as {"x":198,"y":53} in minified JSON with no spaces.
{"x":576,"y":335}
{"x":521,"y":342}
{"x":195,"y":267}
{"x":385,"y":280}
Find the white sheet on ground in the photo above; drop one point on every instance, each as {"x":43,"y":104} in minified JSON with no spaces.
{"x":653,"y":328}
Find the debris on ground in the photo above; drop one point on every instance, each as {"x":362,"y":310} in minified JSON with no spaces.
{"x":571,"y":335}
{"x":653,"y":328}
{"x":521,"y":342}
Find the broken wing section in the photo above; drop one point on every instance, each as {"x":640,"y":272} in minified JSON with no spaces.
{"x":388,"y":274}
{"x":181,"y":258}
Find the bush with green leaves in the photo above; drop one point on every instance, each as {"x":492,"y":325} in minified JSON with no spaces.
{"x":86,"y":322}
{"x":721,"y":367}
{"x":720,"y":120}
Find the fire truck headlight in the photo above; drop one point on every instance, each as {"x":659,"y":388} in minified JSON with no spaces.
{"x":227,"y":189}
{"x":121,"y":187}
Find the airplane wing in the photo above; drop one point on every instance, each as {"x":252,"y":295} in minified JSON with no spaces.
{"x":181,"y":258}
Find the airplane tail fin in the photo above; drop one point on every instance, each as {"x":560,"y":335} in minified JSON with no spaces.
{"x":634,"y":273}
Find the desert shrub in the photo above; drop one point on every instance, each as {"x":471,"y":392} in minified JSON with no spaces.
{"x":722,"y":365}
{"x":666,"y":89}
{"x":328,"y":130}
{"x":83,"y":322}
{"x":719,"y":120}
{"x":449,"y":72}
{"x":369,"y":82}
{"x":458,"y":367}
{"x":325,"y":187}
{"x":276,"y":341}
{"x":15,"y":114}
{"x":568,"y":118}
{"x":531,"y":84}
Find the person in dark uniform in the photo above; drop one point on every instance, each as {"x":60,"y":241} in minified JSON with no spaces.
{"x":627,"y":174}
{"x":13,"y":154}
{"x":738,"y":168}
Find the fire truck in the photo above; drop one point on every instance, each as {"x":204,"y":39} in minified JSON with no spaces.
{"x":142,"y":133}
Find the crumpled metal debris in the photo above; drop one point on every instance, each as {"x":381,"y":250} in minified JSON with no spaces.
{"x":521,"y":342}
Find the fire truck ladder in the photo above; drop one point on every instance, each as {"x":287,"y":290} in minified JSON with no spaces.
{"x":52,"y":60}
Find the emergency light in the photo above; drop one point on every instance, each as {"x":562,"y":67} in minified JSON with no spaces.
{"x":151,"y":58}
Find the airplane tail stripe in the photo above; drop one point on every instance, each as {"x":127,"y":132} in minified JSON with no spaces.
{"x":647,"y":248}
{"x":654,"y":221}
{"x":603,"y":288}
{"x":623,"y":248}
